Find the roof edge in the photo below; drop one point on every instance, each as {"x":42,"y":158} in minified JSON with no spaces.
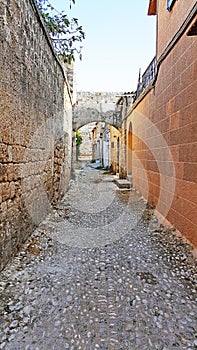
{"x":152,"y":9}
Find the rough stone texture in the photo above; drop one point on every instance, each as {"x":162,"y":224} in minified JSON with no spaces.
{"x":34,"y":128}
{"x":96,"y":107}
{"x":99,"y":273}
{"x":86,"y":146}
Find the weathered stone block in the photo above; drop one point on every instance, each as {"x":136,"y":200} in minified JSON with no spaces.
{"x":30,"y":115}
{"x":3,"y":153}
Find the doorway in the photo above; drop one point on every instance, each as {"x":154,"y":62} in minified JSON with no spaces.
{"x":129,"y":149}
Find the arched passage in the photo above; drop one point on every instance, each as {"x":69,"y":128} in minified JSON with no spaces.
{"x":85,"y":115}
{"x":96,"y":106}
{"x":100,"y":144}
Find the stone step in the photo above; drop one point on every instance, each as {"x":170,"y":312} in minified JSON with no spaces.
{"x":123,"y":183}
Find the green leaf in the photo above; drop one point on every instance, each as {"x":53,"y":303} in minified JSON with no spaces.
{"x":66,"y":34}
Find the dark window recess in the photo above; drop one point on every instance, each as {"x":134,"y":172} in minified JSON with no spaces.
{"x":193,"y":29}
{"x":170,"y":3}
{"x":112,"y":145}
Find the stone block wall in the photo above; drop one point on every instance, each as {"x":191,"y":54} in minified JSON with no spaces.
{"x":35,"y":128}
{"x":86,"y":146}
{"x":93,"y":107}
{"x":169,"y":22}
{"x":165,"y":139}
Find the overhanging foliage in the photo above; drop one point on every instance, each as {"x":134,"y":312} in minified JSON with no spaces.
{"x":66,"y":34}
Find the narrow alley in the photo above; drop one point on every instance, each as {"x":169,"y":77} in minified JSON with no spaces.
{"x":99,"y":273}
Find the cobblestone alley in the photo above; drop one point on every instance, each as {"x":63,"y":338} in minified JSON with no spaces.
{"x":99,"y":273}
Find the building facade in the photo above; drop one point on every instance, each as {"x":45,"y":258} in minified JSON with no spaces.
{"x":162,"y":122}
{"x":97,"y":142}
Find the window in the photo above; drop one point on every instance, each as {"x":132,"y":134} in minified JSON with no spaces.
{"x":193,"y":29}
{"x":170,"y":3}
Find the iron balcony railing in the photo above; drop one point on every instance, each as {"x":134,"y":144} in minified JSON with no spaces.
{"x":148,"y":77}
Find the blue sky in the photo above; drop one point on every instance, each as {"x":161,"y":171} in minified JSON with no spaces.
{"x":120,"y":39}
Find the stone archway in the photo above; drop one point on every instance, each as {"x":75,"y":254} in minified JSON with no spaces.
{"x":86,"y":115}
{"x":96,"y":107}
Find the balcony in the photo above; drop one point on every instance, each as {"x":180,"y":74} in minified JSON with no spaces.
{"x":147,"y":78}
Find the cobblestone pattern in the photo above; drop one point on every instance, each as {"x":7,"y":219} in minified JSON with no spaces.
{"x":31,"y":95}
{"x":133,"y":290}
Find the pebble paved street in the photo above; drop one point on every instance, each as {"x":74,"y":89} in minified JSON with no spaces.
{"x":99,"y":273}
